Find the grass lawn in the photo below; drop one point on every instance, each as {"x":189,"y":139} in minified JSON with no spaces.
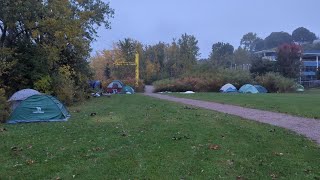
{"x":300,"y":104}
{"x":137,"y":137}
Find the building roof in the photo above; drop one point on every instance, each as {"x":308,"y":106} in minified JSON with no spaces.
{"x":311,"y":52}
{"x":264,"y":51}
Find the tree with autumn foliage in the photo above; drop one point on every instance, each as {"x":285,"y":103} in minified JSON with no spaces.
{"x":45,"y":42}
{"x":288,"y":61}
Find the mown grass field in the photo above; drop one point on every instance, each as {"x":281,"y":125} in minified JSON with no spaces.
{"x":137,"y":137}
{"x":299,"y":104}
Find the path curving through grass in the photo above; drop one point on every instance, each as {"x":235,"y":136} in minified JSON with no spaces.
{"x":305,"y":126}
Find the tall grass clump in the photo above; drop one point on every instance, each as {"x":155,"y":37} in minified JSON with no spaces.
{"x":275,"y":82}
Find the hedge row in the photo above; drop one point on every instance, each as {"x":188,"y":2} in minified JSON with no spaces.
{"x":213,"y":81}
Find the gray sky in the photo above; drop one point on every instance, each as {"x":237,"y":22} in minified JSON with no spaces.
{"x":210,"y":21}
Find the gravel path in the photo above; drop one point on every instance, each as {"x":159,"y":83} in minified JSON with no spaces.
{"x":307,"y":127}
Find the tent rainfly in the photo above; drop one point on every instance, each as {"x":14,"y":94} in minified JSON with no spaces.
{"x":228,"y":88}
{"x":299,"y":88}
{"x":21,"y":95}
{"x":261,"y":89}
{"x":39,"y":108}
{"x":115,"y":87}
{"x":127,"y":90}
{"x":248,"y":88}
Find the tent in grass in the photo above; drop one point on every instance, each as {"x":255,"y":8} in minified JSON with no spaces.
{"x":227,"y":88}
{"x":39,"y":108}
{"x":95,"y":84}
{"x":261,"y":89}
{"x":21,"y":95}
{"x":127,"y":90}
{"x":299,"y":88}
{"x":248,"y":88}
{"x":115,"y":87}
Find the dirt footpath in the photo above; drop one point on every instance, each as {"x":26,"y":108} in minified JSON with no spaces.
{"x":307,"y":127}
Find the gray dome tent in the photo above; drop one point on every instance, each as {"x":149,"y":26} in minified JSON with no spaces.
{"x":228,"y":88}
{"x":21,"y":95}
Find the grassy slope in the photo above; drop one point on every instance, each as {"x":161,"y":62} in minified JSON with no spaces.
{"x":138,"y":137}
{"x":303,"y":104}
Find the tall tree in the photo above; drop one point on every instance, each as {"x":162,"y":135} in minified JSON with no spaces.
{"x":276,"y":39}
{"x":101,"y":64}
{"x":261,"y":66}
{"x":288,"y":61}
{"x":221,"y":54}
{"x":48,"y":38}
{"x":302,"y":34}
{"x":188,"y":52}
{"x":172,"y":59}
{"x":259,"y":44}
{"x":128,"y":49}
{"x":241,"y":56}
{"x":248,"y":41}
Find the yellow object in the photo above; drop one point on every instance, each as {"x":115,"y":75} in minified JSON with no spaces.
{"x":136,"y":63}
{"x":137,"y":70}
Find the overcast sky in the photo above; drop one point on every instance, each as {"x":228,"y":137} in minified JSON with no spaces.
{"x":210,"y":21}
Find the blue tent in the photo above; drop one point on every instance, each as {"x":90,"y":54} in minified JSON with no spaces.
{"x":261,"y":89}
{"x":95,"y":84}
{"x":228,"y":88}
{"x":248,"y":88}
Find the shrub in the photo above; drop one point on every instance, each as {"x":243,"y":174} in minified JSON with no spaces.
{"x":64,"y":87}
{"x":204,"y":82}
{"x":44,"y":85}
{"x":4,"y":107}
{"x":236,"y":77}
{"x":275,"y":82}
{"x":132,"y":82}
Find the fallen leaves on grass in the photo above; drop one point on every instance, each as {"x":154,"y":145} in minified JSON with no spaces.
{"x":30,"y":162}
{"x":214,"y":147}
{"x":278,"y":153}
{"x":240,"y":178}
{"x":16,"y":149}
{"x":179,"y":136}
{"x":97,"y":149}
{"x":273,"y":176}
{"x":272,"y":130}
{"x":230,"y":162}
{"x":190,"y":108}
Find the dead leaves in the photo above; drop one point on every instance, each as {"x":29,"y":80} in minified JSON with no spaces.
{"x":30,"y":162}
{"x":214,"y":147}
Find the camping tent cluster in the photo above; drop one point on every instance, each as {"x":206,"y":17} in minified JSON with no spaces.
{"x":29,"y":105}
{"x":247,"y":88}
{"x":117,"y":87}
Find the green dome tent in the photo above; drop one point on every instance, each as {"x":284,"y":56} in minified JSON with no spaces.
{"x":127,"y":90}
{"x":39,"y":108}
{"x":248,"y":88}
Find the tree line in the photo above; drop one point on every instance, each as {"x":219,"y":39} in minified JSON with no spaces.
{"x":170,"y":60}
